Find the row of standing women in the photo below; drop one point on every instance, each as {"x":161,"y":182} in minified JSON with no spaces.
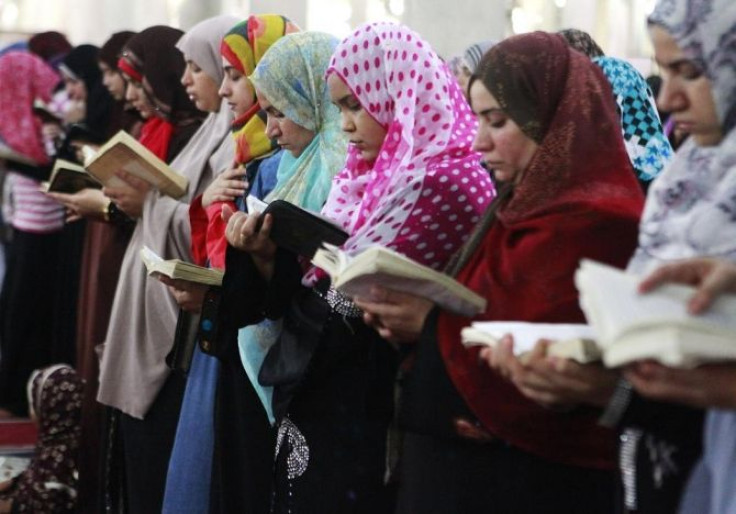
{"x":292,"y":407}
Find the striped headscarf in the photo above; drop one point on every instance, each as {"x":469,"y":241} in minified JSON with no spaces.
{"x":242,"y":47}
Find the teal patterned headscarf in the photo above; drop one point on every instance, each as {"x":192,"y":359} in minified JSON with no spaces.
{"x":291,"y":76}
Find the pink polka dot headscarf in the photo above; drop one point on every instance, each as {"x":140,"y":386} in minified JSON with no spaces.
{"x":426,"y":189}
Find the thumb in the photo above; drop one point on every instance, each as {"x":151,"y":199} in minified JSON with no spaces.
{"x":227,"y":212}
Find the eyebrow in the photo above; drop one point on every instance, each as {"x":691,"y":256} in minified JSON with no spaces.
{"x":676,"y":63}
{"x":345,"y":99}
{"x":489,"y":111}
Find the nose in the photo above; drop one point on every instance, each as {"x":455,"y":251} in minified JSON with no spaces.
{"x":186,"y":77}
{"x":130,"y":92}
{"x":482,"y":141}
{"x":272,"y":127}
{"x":671,"y":96}
{"x":347,"y":124}
{"x":224,"y":90}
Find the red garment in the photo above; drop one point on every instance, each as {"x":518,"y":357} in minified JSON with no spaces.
{"x":578,"y":198}
{"x":208,"y":229}
{"x":156,"y":135}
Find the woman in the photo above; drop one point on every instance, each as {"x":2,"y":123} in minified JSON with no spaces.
{"x":134,"y":378}
{"x":473,"y":441}
{"x":409,"y":162}
{"x":37,"y":223}
{"x":306,"y":124}
{"x":217,"y":405}
{"x":49,"y":484}
{"x":688,"y":215}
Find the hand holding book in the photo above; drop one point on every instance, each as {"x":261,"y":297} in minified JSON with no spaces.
{"x":398,"y":317}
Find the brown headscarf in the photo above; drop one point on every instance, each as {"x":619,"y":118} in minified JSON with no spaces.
{"x":560,"y":107}
{"x":582,"y":42}
{"x":113,"y":47}
{"x":153,"y":56}
{"x":49,"y":484}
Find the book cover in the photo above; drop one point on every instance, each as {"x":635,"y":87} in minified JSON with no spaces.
{"x":356,"y":275}
{"x":123,"y":152}
{"x":69,"y":177}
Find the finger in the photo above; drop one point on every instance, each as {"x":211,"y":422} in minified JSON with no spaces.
{"x":227,"y":212}
{"x":132,"y":180}
{"x":720,"y":280}
{"x":266,"y":226}
{"x":684,"y":272}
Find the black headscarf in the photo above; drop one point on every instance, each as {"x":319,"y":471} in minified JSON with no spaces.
{"x":81,"y":63}
{"x":113,"y":47}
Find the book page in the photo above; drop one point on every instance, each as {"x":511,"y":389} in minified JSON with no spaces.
{"x":611,"y":302}
{"x":526,"y":335}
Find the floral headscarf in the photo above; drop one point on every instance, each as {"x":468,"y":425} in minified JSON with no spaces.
{"x":242,"y":47}
{"x":291,"y":76}
{"x":582,"y":42}
{"x":690,"y":207}
{"x":648,"y":148}
{"x":48,"y":485}
{"x":426,"y":189}
{"x":24,"y":78}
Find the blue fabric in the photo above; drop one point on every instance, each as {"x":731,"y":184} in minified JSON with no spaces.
{"x":647,"y":146}
{"x":189,"y":476}
{"x":190,"y":466}
{"x":712,"y":486}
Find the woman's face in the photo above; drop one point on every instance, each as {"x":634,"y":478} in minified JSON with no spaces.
{"x":136,"y":95}
{"x":686,"y":92}
{"x":290,"y":136}
{"x":113,"y":81}
{"x":202,"y":90}
{"x":364,"y":132}
{"x":505,"y":148}
{"x":75,"y":89}
{"x":236,"y":90}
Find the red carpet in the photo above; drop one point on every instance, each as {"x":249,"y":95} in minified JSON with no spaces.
{"x":17,"y":436}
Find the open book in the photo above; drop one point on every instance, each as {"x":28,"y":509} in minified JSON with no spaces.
{"x":11,"y":467}
{"x":180,"y":270}
{"x":296,"y":229}
{"x":123,"y":152}
{"x":570,"y":341}
{"x":630,"y":326}
{"x":380,"y":266}
{"x":69,"y":177}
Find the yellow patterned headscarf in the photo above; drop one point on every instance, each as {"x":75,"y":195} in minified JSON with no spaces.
{"x":242,"y":47}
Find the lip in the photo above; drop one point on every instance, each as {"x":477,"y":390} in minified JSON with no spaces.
{"x":357,"y":144}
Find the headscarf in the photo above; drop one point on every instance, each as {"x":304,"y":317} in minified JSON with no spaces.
{"x":582,"y":42}
{"x":576,"y":198}
{"x":113,"y":47}
{"x":24,"y":77}
{"x":81,"y":64}
{"x":474,"y":53}
{"x":50,"y":46}
{"x":199,"y":46}
{"x":18,"y":46}
{"x":426,"y":188}
{"x":555,"y":112}
{"x":49,"y":483}
{"x":242,"y":47}
{"x":292,"y":76}
{"x":151,"y":58}
{"x":689,"y":210}
{"x":648,"y":148}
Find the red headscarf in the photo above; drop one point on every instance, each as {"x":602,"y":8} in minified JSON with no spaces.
{"x":24,"y":77}
{"x":578,"y":198}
